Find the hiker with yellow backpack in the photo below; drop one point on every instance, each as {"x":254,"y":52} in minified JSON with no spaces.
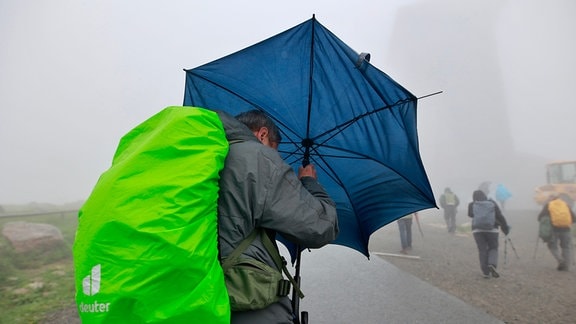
{"x":561,"y":218}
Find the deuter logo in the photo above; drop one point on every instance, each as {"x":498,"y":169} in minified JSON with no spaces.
{"x":90,"y":287}
{"x":91,"y":283}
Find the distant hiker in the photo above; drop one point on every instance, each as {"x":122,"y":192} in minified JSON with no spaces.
{"x":502,"y":195}
{"x":449,"y":202}
{"x":486,"y":219}
{"x":405,"y":227}
{"x":259,"y":191}
{"x":561,"y":218}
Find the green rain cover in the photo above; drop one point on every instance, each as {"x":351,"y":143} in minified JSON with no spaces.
{"x":146,"y":247}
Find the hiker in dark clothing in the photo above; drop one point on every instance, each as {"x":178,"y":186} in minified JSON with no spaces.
{"x":486,"y":237}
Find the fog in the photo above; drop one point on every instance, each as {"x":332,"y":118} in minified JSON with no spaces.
{"x":76,"y":75}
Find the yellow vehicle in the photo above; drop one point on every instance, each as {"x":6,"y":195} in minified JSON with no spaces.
{"x":561,"y":180}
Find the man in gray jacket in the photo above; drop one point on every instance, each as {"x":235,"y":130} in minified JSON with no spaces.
{"x":259,"y":190}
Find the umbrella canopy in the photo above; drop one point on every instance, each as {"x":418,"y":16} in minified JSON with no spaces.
{"x":485,"y":187}
{"x":336,"y":111}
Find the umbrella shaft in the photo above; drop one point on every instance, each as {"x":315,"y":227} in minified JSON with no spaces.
{"x":307,"y":143}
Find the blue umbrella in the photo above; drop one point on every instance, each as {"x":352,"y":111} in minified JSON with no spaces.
{"x":336,"y":111}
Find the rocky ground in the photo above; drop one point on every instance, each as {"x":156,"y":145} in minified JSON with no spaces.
{"x":530,"y":289}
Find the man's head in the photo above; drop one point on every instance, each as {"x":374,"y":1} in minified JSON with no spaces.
{"x":262,"y":126}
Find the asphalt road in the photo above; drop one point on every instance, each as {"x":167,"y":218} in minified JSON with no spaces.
{"x":342,"y":286}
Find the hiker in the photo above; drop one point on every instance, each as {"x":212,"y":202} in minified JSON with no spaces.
{"x":405,"y":227}
{"x":486,"y":220}
{"x":449,"y":202}
{"x":561,"y":219}
{"x":259,"y":190}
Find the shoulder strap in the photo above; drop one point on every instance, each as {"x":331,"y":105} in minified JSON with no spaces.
{"x":229,"y":260}
{"x":279,"y":260}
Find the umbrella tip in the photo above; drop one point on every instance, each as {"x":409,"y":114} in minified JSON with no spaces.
{"x":361,"y":58}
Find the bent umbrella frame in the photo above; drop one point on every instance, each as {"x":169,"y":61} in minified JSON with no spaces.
{"x":335,"y":110}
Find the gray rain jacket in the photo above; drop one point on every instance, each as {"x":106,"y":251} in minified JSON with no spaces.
{"x":258,"y":189}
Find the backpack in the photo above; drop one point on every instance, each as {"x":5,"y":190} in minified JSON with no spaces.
{"x":545,"y":229}
{"x":146,"y":247}
{"x":484,"y":213}
{"x":450,"y":199}
{"x":559,"y":213}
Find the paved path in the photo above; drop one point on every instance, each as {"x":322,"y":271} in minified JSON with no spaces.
{"x":343,"y":286}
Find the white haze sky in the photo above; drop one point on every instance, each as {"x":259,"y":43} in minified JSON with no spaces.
{"x":76,"y":75}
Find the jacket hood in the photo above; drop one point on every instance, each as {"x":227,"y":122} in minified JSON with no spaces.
{"x":235,"y":130}
{"x":479,"y":195}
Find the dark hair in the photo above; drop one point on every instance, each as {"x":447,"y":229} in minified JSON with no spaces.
{"x":255,"y":119}
{"x":479,"y":195}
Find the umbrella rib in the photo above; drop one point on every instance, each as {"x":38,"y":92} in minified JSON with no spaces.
{"x":333,"y":175}
{"x":341,"y":127}
{"x":325,"y":166}
{"x":219,"y":86}
{"x":255,"y":105}
{"x":363,"y":156}
{"x":298,"y":151}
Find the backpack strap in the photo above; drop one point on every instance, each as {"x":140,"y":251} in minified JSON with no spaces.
{"x":230,"y":259}
{"x":279,"y":260}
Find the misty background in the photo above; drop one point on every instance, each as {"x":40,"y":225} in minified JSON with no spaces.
{"x":77,"y":75}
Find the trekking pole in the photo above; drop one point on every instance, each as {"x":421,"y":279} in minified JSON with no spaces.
{"x":573,"y":254}
{"x":536,"y":248}
{"x":418,"y":223}
{"x":505,"y":251}
{"x":572,"y":247}
{"x":295,"y":296}
{"x":512,"y":245}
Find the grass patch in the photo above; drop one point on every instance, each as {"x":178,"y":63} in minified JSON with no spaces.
{"x":33,"y":285}
{"x":7,"y":268}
